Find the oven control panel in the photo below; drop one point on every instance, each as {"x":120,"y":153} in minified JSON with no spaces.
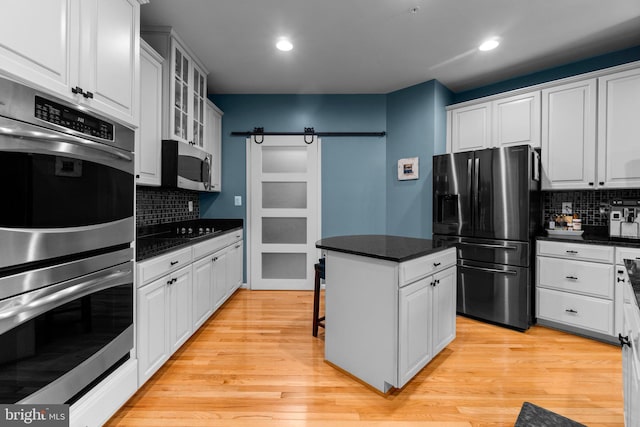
{"x":69,"y":118}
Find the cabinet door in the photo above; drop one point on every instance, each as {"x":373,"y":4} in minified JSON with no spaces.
{"x":213,"y":143}
{"x":414,"y":328}
{"x":202,"y":291}
{"x":516,"y":120}
{"x":569,"y":136}
{"x":180,"y":304}
{"x":471,"y":127}
{"x":234,"y":272}
{"x":198,"y":96}
{"x":179,"y":118}
{"x":109,"y":54}
{"x":618,"y":130}
{"x":43,"y":60}
{"x":152,"y":328}
{"x":444,"y":309}
{"x":149,"y":134}
{"x":220,"y":274}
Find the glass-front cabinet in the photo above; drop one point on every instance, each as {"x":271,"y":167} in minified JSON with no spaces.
{"x":199,"y":95}
{"x":184,"y":88}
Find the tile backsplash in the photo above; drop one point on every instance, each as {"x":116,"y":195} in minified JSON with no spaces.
{"x":586,"y":203}
{"x":159,"y":206}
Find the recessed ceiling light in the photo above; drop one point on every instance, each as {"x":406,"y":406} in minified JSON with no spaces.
{"x":284,"y":45}
{"x":489,"y":44}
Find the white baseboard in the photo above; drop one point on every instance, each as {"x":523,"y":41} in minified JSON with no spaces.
{"x":97,"y":406}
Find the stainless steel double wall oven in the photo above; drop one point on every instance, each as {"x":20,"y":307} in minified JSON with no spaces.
{"x":66,"y":227}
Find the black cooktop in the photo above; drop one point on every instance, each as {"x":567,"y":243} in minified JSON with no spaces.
{"x":157,"y":239}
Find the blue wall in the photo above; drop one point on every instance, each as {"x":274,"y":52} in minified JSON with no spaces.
{"x":360,"y":190}
{"x":587,"y":65}
{"x":416,"y":123}
{"x":353,"y":168}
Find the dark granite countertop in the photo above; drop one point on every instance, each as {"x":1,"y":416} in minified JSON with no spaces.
{"x":594,"y":235}
{"x":156,"y":240}
{"x":390,"y":248}
{"x":633,"y":269}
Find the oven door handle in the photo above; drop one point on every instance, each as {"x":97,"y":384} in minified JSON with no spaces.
{"x":22,"y":308}
{"x":34,"y":139}
{"x":491,"y":270}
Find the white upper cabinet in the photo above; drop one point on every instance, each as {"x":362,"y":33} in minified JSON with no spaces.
{"x":85,"y":51}
{"x":41,"y":58}
{"x":149,"y":135}
{"x":619,"y":130}
{"x":514,"y":120}
{"x":470,"y":127}
{"x":213,"y":142}
{"x":569,"y":136}
{"x":184,"y":88}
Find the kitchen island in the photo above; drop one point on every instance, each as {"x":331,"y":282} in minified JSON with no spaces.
{"x":390,"y":305}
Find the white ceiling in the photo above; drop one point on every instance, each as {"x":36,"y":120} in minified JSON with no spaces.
{"x":379,"y":46}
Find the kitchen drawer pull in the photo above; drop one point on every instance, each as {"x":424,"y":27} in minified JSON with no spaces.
{"x":436,"y":264}
{"x":572,"y":252}
{"x":572,"y":277}
{"x":570,"y":310}
{"x":174,"y":263}
{"x":491,"y":270}
{"x":620,"y":280}
{"x":490,"y":246}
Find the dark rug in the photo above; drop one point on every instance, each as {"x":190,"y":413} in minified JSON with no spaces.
{"x":534,"y":416}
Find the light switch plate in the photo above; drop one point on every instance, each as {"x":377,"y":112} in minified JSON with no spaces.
{"x":567,"y":208}
{"x":237,"y":200}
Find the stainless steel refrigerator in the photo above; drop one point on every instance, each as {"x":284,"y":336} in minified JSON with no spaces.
{"x":487,"y":204}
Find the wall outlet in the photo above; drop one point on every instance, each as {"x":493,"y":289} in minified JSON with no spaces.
{"x":567,"y":208}
{"x":237,"y":200}
{"x":190,"y":204}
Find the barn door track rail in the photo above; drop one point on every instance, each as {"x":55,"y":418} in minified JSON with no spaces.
{"x":308,"y":132}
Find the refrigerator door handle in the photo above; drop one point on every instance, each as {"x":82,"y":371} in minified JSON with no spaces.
{"x":491,"y":270}
{"x":476,"y":184}
{"x":487,"y":245}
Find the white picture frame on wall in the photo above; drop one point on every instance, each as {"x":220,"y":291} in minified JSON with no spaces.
{"x":408,"y":169}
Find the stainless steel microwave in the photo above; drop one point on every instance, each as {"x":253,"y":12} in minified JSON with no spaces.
{"x":185,"y":166}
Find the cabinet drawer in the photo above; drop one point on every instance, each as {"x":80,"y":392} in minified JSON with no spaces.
{"x":213,"y":245}
{"x":149,"y":270}
{"x":415,"y":269}
{"x":626,"y":253}
{"x":595,"y":314}
{"x":587,"y":278}
{"x":578,"y":251}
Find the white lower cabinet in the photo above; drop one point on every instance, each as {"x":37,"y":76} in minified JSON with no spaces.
{"x":631,"y":359}
{"x":426,"y":316}
{"x":202,"y":291}
{"x":387,"y":320}
{"x":178,"y":292}
{"x":163,"y":309}
{"x":575,"y":289}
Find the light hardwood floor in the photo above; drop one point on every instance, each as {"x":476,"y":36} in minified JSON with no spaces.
{"x":255,"y":363}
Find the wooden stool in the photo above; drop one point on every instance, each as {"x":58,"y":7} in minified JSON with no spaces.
{"x":317,"y":320}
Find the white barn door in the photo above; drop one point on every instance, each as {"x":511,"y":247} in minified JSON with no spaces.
{"x":283,"y":210}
